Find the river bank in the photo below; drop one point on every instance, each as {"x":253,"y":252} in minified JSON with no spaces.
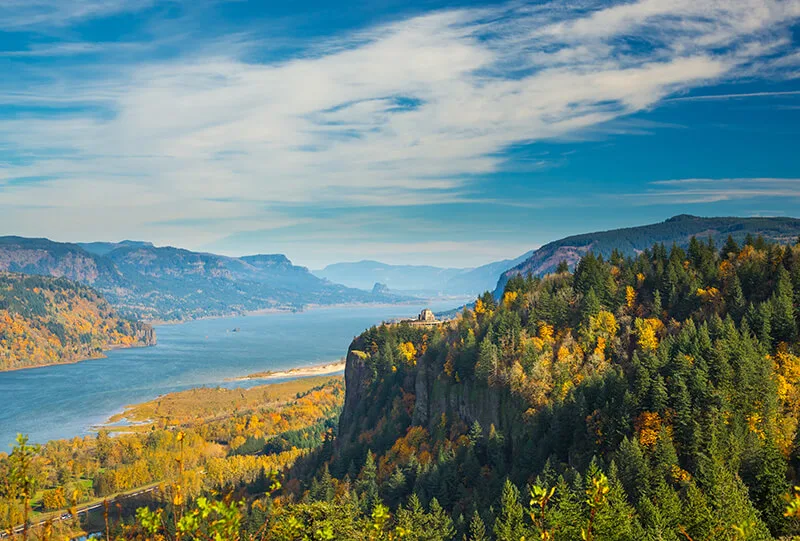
{"x":299,"y":372}
{"x":63,"y":401}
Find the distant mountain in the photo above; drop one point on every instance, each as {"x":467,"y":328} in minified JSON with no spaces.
{"x":48,"y":258}
{"x":408,"y":278}
{"x":483,"y":278}
{"x":164,"y":283}
{"x":102,"y":248}
{"x":418,"y":279}
{"x":46,"y":320}
{"x":632,"y":240}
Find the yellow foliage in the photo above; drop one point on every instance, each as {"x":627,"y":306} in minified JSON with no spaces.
{"x":479,"y":307}
{"x":409,"y":352}
{"x":546,"y":332}
{"x":754,"y":422}
{"x":509,"y":297}
{"x":679,"y":475}
{"x":708,"y":295}
{"x":746,"y":253}
{"x":648,"y":426}
{"x":646,"y":333}
{"x":601,"y":348}
{"x":630,"y":296}
{"x":604,"y":324}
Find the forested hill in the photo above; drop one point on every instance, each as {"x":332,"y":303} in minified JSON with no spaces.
{"x":632,"y":240}
{"x":646,"y":397}
{"x":165,"y":283}
{"x":45,"y":320}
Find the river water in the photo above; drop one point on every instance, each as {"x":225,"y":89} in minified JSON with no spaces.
{"x":67,"y":400}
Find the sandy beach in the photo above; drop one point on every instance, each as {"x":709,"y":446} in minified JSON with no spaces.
{"x":300,"y":372}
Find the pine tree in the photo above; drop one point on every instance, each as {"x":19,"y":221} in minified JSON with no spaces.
{"x":783,"y":325}
{"x":438,"y":525}
{"x":735,"y":298}
{"x":616,"y":520}
{"x":568,"y":513}
{"x":508,"y":525}
{"x":477,"y":528}
{"x":659,"y":397}
{"x":729,"y":248}
{"x":487,"y":360}
{"x":633,"y":469}
{"x":475,"y":433}
{"x":590,"y":305}
{"x":657,"y":309}
{"x":367,"y":485}
{"x":697,"y":520}
{"x":661,"y":516}
{"x":395,"y":487}
{"x":322,"y":488}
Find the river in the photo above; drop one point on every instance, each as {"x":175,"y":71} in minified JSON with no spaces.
{"x":68,"y":400}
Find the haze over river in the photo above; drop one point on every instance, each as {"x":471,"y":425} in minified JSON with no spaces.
{"x":67,"y":400}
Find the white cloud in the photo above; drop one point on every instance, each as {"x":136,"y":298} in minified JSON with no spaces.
{"x":47,"y":14}
{"x":401,"y":114}
{"x":714,"y":190}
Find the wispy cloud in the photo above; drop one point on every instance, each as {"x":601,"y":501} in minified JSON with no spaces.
{"x":708,"y":190}
{"x":44,"y":15}
{"x":737,"y":96}
{"x":405,"y":113}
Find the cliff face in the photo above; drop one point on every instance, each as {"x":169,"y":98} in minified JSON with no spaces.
{"x":420,"y":397}
{"x":46,"y":320}
{"x":47,"y":258}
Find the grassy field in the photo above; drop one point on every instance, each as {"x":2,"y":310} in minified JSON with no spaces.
{"x":206,"y":404}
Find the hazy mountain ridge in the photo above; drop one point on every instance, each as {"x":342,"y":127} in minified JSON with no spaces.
{"x":166,"y":283}
{"x":47,"y":320}
{"x":102,"y":248}
{"x":632,"y":240}
{"x":418,"y":279}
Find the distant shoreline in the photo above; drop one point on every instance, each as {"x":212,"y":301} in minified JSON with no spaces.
{"x":299,"y":372}
{"x":306,"y":308}
{"x":102,"y":355}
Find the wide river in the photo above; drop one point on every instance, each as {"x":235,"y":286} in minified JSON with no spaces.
{"x":68,"y":400}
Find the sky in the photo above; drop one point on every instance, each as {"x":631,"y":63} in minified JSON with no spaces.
{"x":447,"y":133}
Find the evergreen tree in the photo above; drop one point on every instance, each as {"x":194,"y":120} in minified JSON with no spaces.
{"x":395,"y":487}
{"x":367,"y":485}
{"x":734,"y":297}
{"x":477,"y":528}
{"x":616,"y":520}
{"x":487,"y":360}
{"x":657,"y":308}
{"x":590,"y":305}
{"x":508,"y":526}
{"x":783,"y":325}
{"x":729,"y":248}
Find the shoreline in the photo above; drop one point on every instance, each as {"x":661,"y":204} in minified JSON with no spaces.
{"x":325,"y":369}
{"x":254,"y":313}
{"x":102,"y":355}
{"x":133,"y":417}
{"x":306,"y":308}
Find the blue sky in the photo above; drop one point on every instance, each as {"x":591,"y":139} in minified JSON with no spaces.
{"x":448,"y":133}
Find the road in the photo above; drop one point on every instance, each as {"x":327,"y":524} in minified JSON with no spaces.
{"x":82,"y":510}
